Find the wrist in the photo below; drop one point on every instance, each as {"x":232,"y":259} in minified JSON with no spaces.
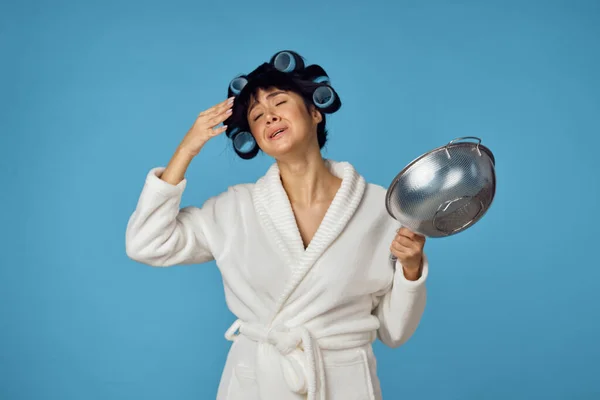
{"x":185,"y":153}
{"x":413,"y":273}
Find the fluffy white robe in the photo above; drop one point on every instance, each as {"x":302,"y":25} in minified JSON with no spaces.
{"x":306,"y":317}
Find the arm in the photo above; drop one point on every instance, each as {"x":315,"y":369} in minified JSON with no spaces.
{"x":400,"y":309}
{"x":159,"y":233}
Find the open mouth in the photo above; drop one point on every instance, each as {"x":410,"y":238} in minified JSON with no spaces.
{"x":277,"y":133}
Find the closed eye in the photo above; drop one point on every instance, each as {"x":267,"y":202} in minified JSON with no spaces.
{"x":278,"y":104}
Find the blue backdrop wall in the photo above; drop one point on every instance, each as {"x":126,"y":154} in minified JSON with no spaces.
{"x":94,"y":94}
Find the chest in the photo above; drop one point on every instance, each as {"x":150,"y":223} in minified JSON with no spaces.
{"x":267,"y":257}
{"x":308,"y":221}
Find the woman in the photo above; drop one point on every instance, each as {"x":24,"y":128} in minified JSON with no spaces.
{"x":304,"y":252}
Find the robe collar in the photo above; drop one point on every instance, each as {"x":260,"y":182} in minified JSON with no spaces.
{"x":275,"y":213}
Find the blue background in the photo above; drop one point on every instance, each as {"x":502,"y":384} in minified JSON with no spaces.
{"x":94,"y":94}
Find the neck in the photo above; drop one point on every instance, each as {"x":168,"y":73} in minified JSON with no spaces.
{"x":307,"y":180}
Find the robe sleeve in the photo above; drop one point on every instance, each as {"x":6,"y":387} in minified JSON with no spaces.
{"x":160,"y":234}
{"x":400,"y":309}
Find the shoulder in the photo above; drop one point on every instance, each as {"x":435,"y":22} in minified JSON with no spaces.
{"x":347,"y":169}
{"x":376,"y":191}
{"x":221,"y":210}
{"x":374,"y":205}
{"x":239,"y":195}
{"x":374,"y":199}
{"x":232,"y":196}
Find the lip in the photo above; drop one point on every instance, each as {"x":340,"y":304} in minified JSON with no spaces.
{"x":274,"y":129}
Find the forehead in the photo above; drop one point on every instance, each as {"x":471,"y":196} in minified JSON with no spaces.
{"x":263,"y":95}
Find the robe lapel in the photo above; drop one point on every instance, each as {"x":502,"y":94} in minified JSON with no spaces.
{"x":275,"y":211}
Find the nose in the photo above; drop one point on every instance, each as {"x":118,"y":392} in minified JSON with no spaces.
{"x":271,"y":117}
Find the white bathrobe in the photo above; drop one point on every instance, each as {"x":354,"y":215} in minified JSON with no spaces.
{"x":306,"y":318}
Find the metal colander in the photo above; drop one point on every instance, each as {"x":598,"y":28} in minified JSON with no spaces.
{"x":444,"y":191}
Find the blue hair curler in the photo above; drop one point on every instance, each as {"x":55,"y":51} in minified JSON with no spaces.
{"x":316,"y":74}
{"x":287,"y":61}
{"x":243,"y":141}
{"x":233,"y":132}
{"x":237,"y":84}
{"x":323,"y":96}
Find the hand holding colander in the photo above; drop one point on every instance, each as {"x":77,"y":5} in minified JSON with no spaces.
{"x":444,"y":191}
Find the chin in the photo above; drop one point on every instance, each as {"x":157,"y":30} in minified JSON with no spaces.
{"x":279,"y":147}
{"x":288,"y":152}
{"x":279,"y":152}
{"x":286,"y":147}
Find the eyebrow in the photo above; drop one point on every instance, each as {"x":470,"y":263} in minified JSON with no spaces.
{"x":270,"y":95}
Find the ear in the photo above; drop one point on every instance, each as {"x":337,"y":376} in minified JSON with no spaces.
{"x":316,"y":114}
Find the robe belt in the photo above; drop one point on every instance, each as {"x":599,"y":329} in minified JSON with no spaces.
{"x":302,"y":360}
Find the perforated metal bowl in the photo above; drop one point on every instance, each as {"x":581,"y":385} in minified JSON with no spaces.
{"x":446,"y":190}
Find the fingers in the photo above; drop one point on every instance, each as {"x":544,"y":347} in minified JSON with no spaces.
{"x":400,"y":251}
{"x":224,"y":106}
{"x":408,"y":246}
{"x":218,"y":108}
{"x":405,"y":232}
{"x":218,"y":131}
{"x":215,"y":116}
{"x":404,"y":241}
{"x":407,"y":243}
{"x":216,"y":120}
{"x":207,"y":123}
{"x":405,"y":252}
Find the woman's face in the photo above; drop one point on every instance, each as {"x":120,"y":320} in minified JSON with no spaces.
{"x":281,"y":124}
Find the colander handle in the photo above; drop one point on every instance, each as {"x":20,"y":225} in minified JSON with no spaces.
{"x":461,"y":138}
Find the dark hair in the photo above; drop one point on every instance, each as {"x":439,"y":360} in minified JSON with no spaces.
{"x":265,"y":77}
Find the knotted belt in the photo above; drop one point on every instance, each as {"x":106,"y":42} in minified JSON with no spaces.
{"x":301,"y":359}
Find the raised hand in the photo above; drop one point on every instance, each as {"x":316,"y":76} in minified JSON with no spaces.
{"x":408,"y":246}
{"x":205,"y":127}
